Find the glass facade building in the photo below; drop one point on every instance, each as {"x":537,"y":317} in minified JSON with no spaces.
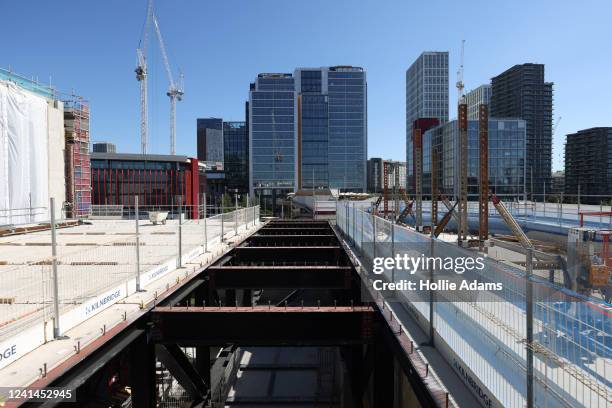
{"x":210,"y":140}
{"x":307,"y":130}
{"x":332,"y":128}
{"x":426,"y":97}
{"x":507,"y":153}
{"x":313,"y":130}
{"x":272,"y":137}
{"x":236,"y":156}
{"x":347,"y":129}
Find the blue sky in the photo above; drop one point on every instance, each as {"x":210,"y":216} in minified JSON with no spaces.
{"x":221,"y":45}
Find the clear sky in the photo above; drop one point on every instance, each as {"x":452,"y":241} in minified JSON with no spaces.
{"x":90,"y":47}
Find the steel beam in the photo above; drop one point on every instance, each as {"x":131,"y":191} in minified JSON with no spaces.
{"x":483,"y":174}
{"x":264,"y":326}
{"x":278,"y":254}
{"x":86,"y":368}
{"x":434,"y":186}
{"x":463,"y":173}
{"x":294,"y":231}
{"x":280,"y":277}
{"x":292,"y":240}
{"x":142,"y":372}
{"x":418,"y":176}
{"x":173,"y":358}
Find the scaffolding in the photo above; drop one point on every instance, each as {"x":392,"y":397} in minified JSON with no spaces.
{"x":78,"y":166}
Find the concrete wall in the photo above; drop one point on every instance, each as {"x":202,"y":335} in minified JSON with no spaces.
{"x":56,"y":138}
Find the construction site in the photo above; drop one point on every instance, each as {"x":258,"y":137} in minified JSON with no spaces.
{"x":123,"y":284}
{"x":192,"y":305}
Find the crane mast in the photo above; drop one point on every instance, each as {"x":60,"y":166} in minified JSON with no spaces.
{"x":175,"y":90}
{"x":460,"y":85}
{"x":141,"y":76}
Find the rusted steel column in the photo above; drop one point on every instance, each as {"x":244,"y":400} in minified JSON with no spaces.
{"x":483,"y":175}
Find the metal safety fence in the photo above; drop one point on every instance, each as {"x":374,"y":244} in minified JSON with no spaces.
{"x":554,"y":213}
{"x":62,"y":273}
{"x":484,"y":334}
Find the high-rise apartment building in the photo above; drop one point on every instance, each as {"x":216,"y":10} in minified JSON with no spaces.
{"x":426,"y":97}
{"x":521,"y":92}
{"x":588,"y":165}
{"x":376,"y":174}
{"x":331,"y":128}
{"x":475,"y":98}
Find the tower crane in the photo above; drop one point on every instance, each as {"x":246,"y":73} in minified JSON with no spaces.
{"x":141,"y":76}
{"x":460,"y":85}
{"x":175,"y":89}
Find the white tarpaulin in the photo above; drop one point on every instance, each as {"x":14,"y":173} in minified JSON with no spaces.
{"x":24,"y":189}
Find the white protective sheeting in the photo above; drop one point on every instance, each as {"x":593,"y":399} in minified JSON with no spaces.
{"x":24,"y":186}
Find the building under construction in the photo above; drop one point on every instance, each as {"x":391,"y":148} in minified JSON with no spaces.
{"x":77,"y":162}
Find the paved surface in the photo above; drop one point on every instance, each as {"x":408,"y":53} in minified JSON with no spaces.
{"x":29,"y":368}
{"x":92,"y":258}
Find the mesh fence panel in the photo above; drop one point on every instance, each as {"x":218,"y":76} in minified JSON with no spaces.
{"x":572,"y":334}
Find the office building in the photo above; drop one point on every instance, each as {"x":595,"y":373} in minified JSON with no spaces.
{"x":588,"y":165}
{"x":331,"y":128}
{"x":475,"y":98}
{"x":376,"y":174}
{"x":521,"y":92}
{"x":506,"y":158}
{"x":159,"y":181}
{"x":236,"y":157}
{"x":273,"y":139}
{"x":308,"y":130}
{"x":104,"y":147}
{"x":223,"y":150}
{"x":426,"y":97}
{"x":210,"y":140}
{"x":210,"y":154}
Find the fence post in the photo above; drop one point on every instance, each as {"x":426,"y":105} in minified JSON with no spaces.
{"x":361,"y":216}
{"x":56,"y":322}
{"x":221,"y":221}
{"x":180,"y":234}
{"x":529,"y":322}
{"x":347,"y":220}
{"x":236,"y":216}
{"x":392,"y":249}
{"x":205,"y":231}
{"x":373,"y":235}
{"x":137,"y":216}
{"x":432,"y":293}
{"x":354,"y":240}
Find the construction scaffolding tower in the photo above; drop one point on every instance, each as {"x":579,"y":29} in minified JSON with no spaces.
{"x":78,"y":166}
